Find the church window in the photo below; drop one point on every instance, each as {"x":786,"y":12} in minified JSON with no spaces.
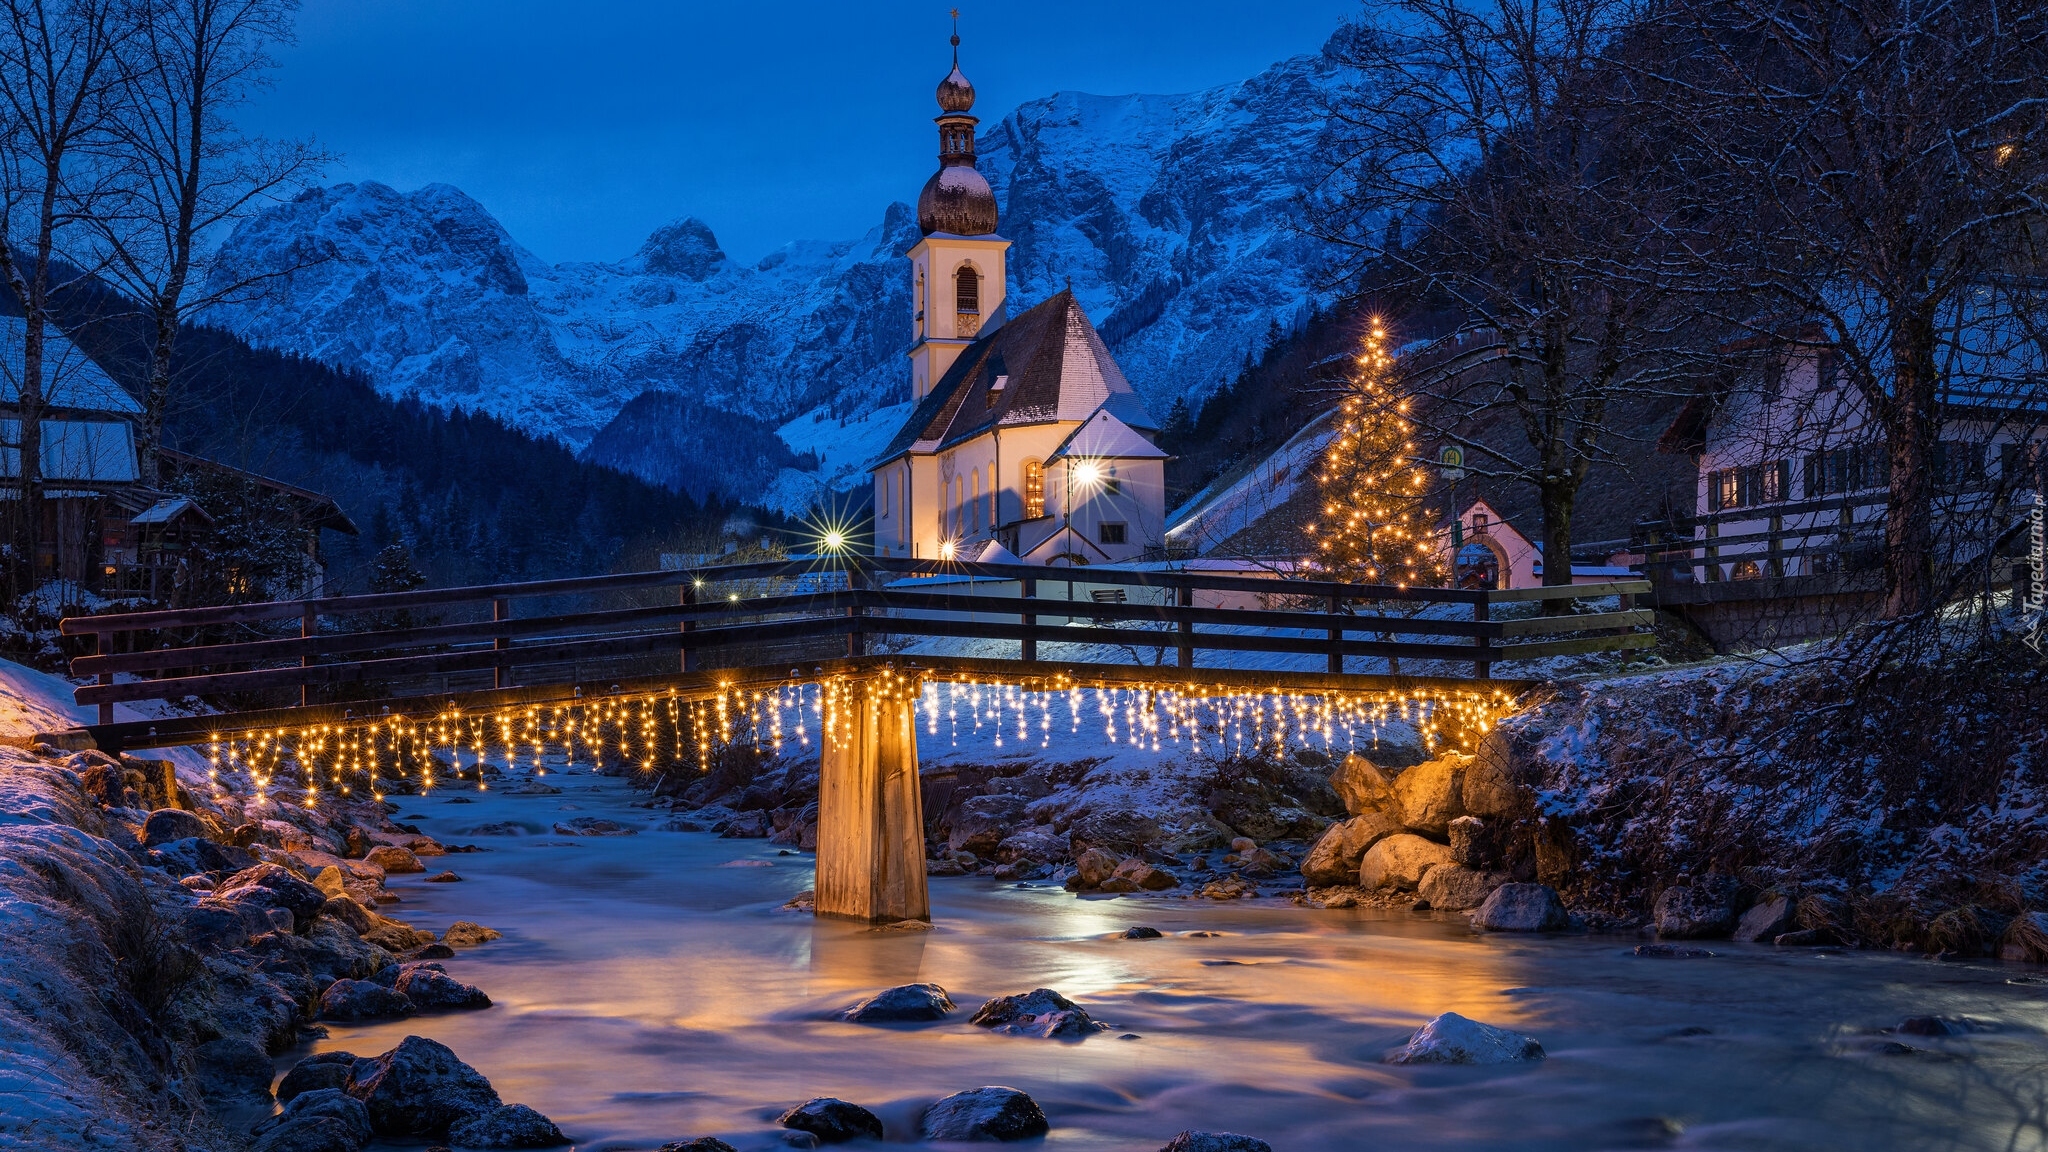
{"x":975,"y":514}
{"x":1111,"y":533}
{"x":970,"y":290}
{"x":1034,"y":489}
{"x":992,"y":501}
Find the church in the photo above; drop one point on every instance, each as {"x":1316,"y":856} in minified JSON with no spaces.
{"x":1025,"y":443}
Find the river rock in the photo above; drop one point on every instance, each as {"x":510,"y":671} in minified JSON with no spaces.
{"x":1453,"y":1039}
{"x":322,"y":1120}
{"x":599,"y":826}
{"x":1770,"y":917}
{"x":351,"y":1000}
{"x":394,"y":860}
{"x":194,"y":855}
{"x":832,"y":1121}
{"x":223,"y":924}
{"x":1040,"y":1012}
{"x":992,"y":1113}
{"x":1140,"y":932}
{"x":1399,"y":861}
{"x":1671,"y":952}
{"x":1094,"y":866}
{"x":506,"y":1126}
{"x":1472,"y":844}
{"x":233,"y":1070}
{"x":465,"y":934}
{"x":1363,"y":786}
{"x":394,"y":936}
{"x":274,"y":886}
{"x":444,"y":878}
{"x":1697,"y":911}
{"x":1215,"y":1142}
{"x":167,"y":824}
{"x":331,"y":882}
{"x":1335,"y":857}
{"x":1430,"y":794}
{"x":432,"y":990}
{"x":1522,"y":908}
{"x":983,"y":821}
{"x":700,"y":1144}
{"x":420,"y":1089}
{"x":1144,"y":877}
{"x":1258,"y":863}
{"x":903,"y":1003}
{"x":320,"y":1070}
{"x":1495,"y":783}
{"x":1456,"y":888}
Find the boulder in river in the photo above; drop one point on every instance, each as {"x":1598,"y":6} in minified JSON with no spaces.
{"x":167,"y":824}
{"x":593,"y":826}
{"x":465,"y":934}
{"x":395,"y":860}
{"x":1399,"y":862}
{"x":1771,"y":916}
{"x":1363,"y":786}
{"x":1141,"y":932}
{"x":1215,"y":1142}
{"x":1335,"y":857}
{"x":832,"y":1121}
{"x":432,"y":990}
{"x":1431,"y":794}
{"x":700,"y":1144}
{"x":1455,"y":888}
{"x":315,"y":1072}
{"x":991,"y":1113}
{"x":325,"y":1118}
{"x":1040,"y":1012}
{"x":1523,"y":908}
{"x":1453,"y":1039}
{"x":444,"y":878}
{"x":420,"y":1089}
{"x":1144,"y":877}
{"x":903,"y":1003}
{"x":506,"y":1126}
{"x":1091,"y":868}
{"x":348,"y":1001}
{"x":1695,"y":911}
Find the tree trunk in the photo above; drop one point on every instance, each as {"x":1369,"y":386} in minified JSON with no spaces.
{"x":149,"y":432}
{"x":1911,"y":432}
{"x":1558,"y":498}
{"x":30,"y":454}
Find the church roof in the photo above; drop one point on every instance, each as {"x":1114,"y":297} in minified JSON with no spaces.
{"x":1106,"y":437}
{"x":1045,"y":366}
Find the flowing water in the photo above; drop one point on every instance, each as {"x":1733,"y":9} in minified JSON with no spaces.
{"x":650,"y":988}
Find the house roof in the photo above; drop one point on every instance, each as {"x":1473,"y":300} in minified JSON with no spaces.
{"x":1046,"y":365}
{"x":71,"y":380}
{"x":319,"y":509}
{"x":1103,"y":435}
{"x":75,"y":451}
{"x":169,"y":510}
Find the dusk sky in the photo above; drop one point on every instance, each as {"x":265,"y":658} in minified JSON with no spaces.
{"x":584,"y":126}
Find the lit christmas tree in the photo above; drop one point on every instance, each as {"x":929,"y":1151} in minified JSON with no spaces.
{"x":1374,"y":528}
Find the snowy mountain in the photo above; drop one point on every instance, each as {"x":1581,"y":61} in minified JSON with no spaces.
{"x":1175,"y":218}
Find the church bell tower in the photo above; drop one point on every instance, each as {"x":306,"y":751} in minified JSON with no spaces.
{"x":958,"y":273}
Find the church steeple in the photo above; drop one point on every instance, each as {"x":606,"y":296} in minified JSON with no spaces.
{"x":958,"y":276}
{"x":957,"y":200}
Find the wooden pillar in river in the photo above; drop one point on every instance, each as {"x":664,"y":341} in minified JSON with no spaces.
{"x":870,"y":810}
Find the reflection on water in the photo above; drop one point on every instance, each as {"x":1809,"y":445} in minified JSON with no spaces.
{"x":644,"y":993}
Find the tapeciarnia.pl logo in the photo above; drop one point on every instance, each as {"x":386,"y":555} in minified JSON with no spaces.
{"x":2036,"y":617}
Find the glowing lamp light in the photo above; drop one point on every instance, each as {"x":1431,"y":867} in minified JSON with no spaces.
{"x":1088,"y":473}
{"x":947,"y":549}
{"x":834,"y":541}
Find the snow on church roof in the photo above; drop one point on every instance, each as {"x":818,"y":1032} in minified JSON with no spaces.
{"x":70,"y":378}
{"x":1106,"y":437}
{"x":1054,"y":368}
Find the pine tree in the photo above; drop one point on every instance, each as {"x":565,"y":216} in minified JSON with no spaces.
{"x":1374,"y":527}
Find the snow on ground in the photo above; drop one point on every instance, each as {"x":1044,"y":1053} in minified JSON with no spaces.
{"x":1215,"y":514}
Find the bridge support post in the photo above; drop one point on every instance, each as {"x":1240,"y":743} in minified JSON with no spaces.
{"x":870,"y":810}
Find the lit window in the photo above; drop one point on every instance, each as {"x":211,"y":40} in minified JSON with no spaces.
{"x":1034,"y":489}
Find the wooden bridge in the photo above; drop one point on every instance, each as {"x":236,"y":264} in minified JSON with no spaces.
{"x":403,"y":685}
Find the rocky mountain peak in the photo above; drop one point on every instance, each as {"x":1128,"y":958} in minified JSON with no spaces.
{"x":684,"y":248}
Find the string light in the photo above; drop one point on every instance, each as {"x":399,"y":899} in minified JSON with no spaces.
{"x":668,"y":732}
{"x":1373,"y":526}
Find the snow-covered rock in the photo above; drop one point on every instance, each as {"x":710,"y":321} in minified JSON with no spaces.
{"x":1453,"y":1039}
{"x":1041,"y":1012}
{"x":905,"y":1002}
{"x":1176,"y":219}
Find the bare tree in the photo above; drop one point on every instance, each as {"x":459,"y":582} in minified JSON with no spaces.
{"x":59,"y":72}
{"x":1875,"y":169}
{"x":1488,"y":168}
{"x":185,"y":173}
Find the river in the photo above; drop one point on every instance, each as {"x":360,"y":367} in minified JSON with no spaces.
{"x":650,"y":988}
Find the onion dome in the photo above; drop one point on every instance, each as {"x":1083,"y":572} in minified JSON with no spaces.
{"x":957,"y":199}
{"x":956,"y":94}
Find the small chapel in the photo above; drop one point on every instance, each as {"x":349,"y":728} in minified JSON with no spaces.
{"x":1025,"y":442}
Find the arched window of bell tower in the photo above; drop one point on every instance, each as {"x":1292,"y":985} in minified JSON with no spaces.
{"x":969,"y":289}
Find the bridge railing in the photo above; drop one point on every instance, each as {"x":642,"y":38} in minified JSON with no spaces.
{"x":378,"y":646}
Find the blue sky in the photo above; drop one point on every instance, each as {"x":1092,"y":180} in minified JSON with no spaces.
{"x":585,"y":125}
